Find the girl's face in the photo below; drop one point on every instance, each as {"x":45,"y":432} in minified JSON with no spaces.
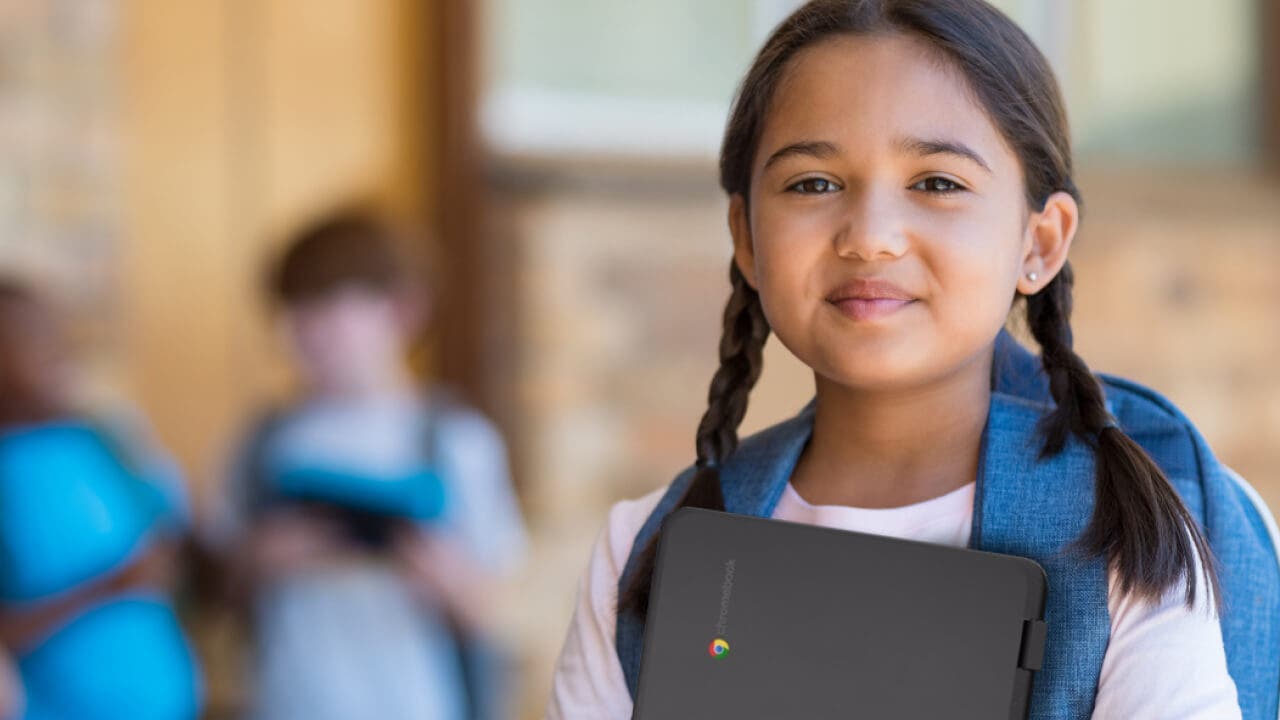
{"x":35,"y":361}
{"x":875,"y":163}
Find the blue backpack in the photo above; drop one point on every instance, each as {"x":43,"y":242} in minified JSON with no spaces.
{"x":1238,"y":524}
{"x":1033,"y":508}
{"x":72,"y":510}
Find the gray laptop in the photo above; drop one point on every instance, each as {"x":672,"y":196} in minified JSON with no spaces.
{"x":759,"y":618}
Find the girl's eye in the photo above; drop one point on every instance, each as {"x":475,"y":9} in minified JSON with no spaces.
{"x":814,"y":186}
{"x":938,"y":185}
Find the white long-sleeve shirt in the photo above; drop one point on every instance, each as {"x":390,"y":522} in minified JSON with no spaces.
{"x":1163,"y":660}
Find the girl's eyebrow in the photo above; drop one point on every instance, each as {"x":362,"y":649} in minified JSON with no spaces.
{"x":920,"y":147}
{"x":819,"y":149}
{"x":924,"y":147}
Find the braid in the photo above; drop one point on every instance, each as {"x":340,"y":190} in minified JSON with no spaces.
{"x":1139,"y":522}
{"x":741,"y":359}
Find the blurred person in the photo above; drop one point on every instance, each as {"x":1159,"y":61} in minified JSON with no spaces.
{"x":92,"y":515}
{"x":370,"y":520}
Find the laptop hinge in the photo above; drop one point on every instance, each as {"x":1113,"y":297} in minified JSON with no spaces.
{"x":1031,"y":654}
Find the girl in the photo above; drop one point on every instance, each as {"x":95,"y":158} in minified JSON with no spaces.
{"x":899,"y":179}
{"x":92,"y":516}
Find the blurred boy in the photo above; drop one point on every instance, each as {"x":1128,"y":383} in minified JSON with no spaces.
{"x":358,"y":613}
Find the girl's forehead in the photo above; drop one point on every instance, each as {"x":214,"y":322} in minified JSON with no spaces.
{"x":865,"y":92}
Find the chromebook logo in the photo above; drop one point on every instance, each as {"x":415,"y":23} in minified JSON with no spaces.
{"x":719,"y":647}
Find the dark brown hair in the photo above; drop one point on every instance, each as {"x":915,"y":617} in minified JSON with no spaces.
{"x":29,"y":337}
{"x":1139,"y":523}
{"x":349,"y":247}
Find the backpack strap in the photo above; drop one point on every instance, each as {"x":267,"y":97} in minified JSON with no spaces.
{"x":442,"y":401}
{"x":1035,"y":508}
{"x":126,"y":452}
{"x":254,"y":477}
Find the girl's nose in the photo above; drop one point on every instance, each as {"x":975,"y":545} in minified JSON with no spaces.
{"x":872,"y":226}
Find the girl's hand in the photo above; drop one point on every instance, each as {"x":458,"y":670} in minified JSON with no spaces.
{"x":442,"y":573}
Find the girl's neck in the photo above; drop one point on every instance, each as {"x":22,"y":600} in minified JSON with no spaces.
{"x":880,"y":450}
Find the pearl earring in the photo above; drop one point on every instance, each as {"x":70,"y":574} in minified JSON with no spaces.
{"x":1032,"y":276}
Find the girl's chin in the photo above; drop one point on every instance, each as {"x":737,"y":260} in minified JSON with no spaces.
{"x":870,"y":373}
{"x":908,"y":367}
{"x":878,"y":385}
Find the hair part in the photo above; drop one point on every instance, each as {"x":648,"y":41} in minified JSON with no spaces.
{"x":1139,"y":523}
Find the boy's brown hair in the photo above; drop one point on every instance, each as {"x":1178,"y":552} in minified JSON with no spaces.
{"x":349,"y":247}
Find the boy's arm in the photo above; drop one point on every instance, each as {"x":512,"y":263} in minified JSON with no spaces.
{"x":465,"y":563}
{"x":444,"y":574}
{"x":482,"y":506}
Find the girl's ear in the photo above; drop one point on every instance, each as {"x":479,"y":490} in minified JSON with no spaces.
{"x":744,"y":254}
{"x":1048,"y":238}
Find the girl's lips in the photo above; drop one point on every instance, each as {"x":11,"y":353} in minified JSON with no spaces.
{"x":870,"y":308}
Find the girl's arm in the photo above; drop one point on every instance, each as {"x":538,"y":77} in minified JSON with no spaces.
{"x":1165,"y":660}
{"x":12,"y":698}
{"x":588,"y":680}
{"x":153,"y":567}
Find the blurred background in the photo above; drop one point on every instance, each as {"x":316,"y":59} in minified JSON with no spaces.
{"x":560,"y":157}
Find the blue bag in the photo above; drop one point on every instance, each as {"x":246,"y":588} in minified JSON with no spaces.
{"x":71,"y":512}
{"x":368,"y":504}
